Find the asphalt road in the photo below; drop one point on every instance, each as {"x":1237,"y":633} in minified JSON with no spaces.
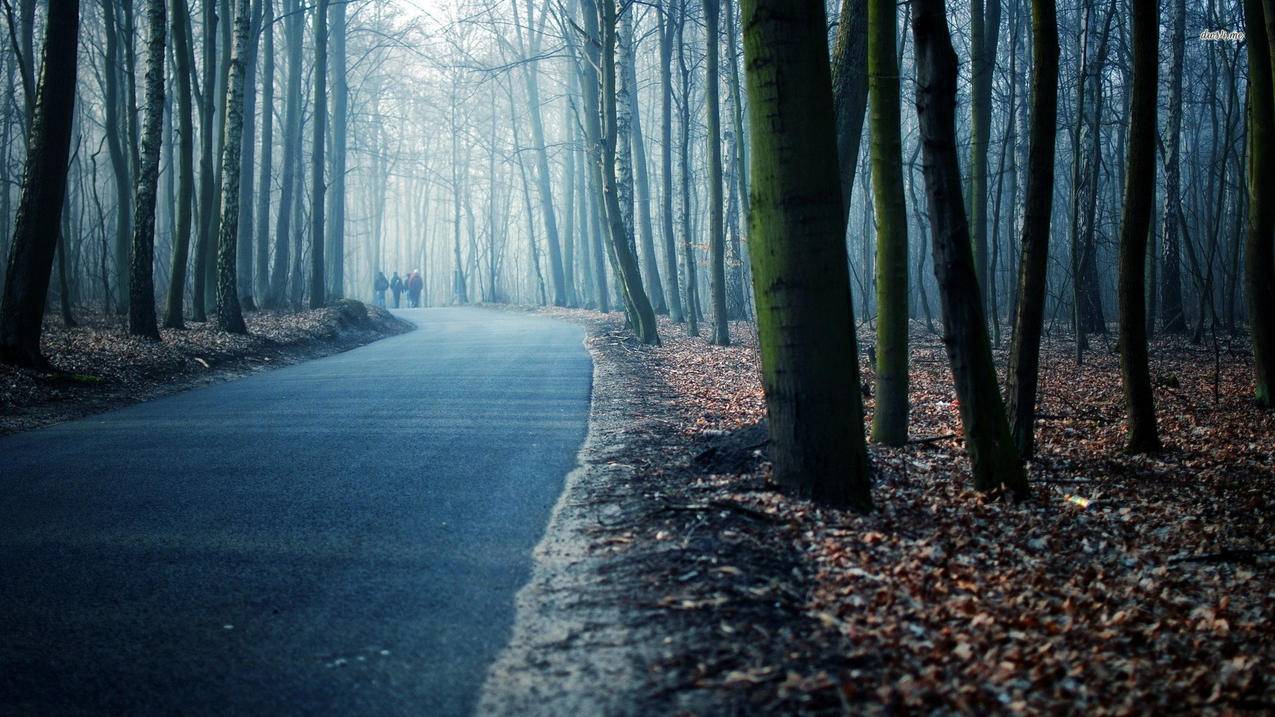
{"x":343,"y":536}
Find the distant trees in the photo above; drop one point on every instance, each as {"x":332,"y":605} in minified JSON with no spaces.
{"x":805,"y":321}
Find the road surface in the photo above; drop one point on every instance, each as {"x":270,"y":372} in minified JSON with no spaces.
{"x":343,"y":536}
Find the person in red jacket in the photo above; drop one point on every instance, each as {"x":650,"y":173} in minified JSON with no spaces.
{"x":415,"y":284}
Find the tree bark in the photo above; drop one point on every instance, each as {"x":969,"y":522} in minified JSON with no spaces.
{"x":288,"y":190}
{"x":716,"y":234}
{"x":987,"y":437}
{"x":1024,"y":350}
{"x":850,"y":89}
{"x":262,"y":262}
{"x":318,"y":187}
{"x":1174,"y":321}
{"x":141,"y":285}
{"x":229,"y":316}
{"x":340,"y":134}
{"x":670,"y":19}
{"x":805,"y":318}
{"x":1139,"y":195}
{"x":35,"y":232}
{"x":890,"y":420}
{"x":1259,"y":262}
{"x":181,"y":33}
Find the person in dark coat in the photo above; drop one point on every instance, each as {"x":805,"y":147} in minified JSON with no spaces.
{"x":379,"y":285}
{"x":415,"y":284}
{"x":396,"y":288}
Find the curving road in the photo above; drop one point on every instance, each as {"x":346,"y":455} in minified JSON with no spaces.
{"x":343,"y":536}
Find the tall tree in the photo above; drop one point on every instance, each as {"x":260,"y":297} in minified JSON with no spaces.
{"x":35,"y":232}
{"x":141,"y":285}
{"x":183,"y":69}
{"x":340,"y":138}
{"x":229,"y":316}
{"x":985,"y":16}
{"x":1024,"y":350}
{"x":262,"y":261}
{"x":890,"y":421}
{"x":1259,"y":263}
{"x":1174,"y":321}
{"x":987,"y":438}
{"x":118,"y":149}
{"x":1135,"y":220}
{"x":318,"y":186}
{"x":716,"y":235}
{"x":602,"y":26}
{"x":669,"y":20}
{"x":294,"y":30}
{"x":642,"y":182}
{"x":684,"y":163}
{"x":805,"y":318}
{"x":207,"y":185}
{"x":850,"y":88}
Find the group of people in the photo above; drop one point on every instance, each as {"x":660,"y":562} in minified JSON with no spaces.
{"x":396,"y":285}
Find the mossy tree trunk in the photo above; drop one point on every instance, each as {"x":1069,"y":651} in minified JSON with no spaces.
{"x":318,"y":181}
{"x":805,"y":318}
{"x":987,"y":437}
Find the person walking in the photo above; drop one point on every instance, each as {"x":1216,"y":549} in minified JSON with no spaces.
{"x":396,"y":288}
{"x":415,"y":284}
{"x":379,"y":285}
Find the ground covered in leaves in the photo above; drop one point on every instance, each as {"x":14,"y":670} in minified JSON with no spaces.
{"x":98,"y":366}
{"x":1122,"y":585}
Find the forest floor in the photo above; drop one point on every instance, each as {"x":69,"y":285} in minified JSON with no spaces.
{"x":675,"y":578}
{"x":98,"y":366}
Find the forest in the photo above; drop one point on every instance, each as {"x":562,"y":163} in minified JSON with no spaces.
{"x":945,"y":258}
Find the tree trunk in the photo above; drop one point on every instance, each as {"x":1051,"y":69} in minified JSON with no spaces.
{"x":141,"y":291}
{"x":684,"y":148}
{"x":984,"y":38}
{"x":229,"y":317}
{"x":890,"y":420}
{"x":642,"y":185}
{"x":850,"y":89}
{"x":628,"y":275}
{"x":1259,"y":262}
{"x":317,"y":180}
{"x":716,"y":234}
{"x":288,"y":190}
{"x":987,"y":437}
{"x":116,"y":133}
{"x":30,"y":261}
{"x":805,"y":318}
{"x":1174,"y":321}
{"x":670,"y":20}
{"x":173,"y":315}
{"x":248,"y":143}
{"x":262,"y":262}
{"x":207,"y":188}
{"x":1024,"y":350}
{"x":1139,"y":195}
{"x":340,"y":133}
